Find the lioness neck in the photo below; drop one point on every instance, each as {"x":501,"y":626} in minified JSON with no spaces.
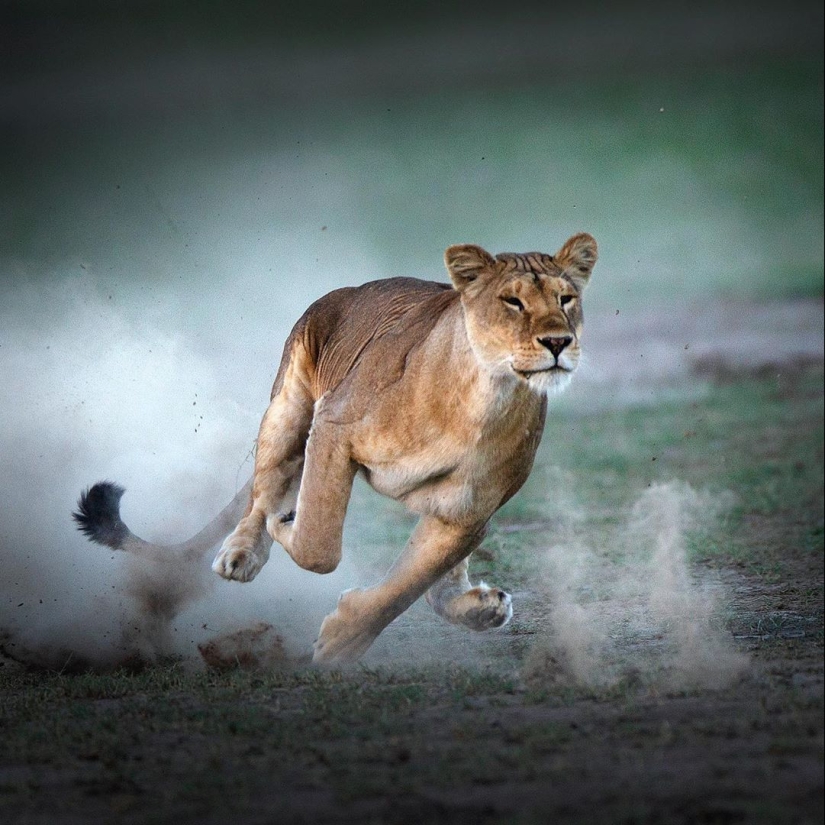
{"x":491,"y":396}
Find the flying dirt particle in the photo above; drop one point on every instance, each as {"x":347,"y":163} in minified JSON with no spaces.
{"x":253,"y":648}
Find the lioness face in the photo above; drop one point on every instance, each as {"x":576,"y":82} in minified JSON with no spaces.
{"x":523,"y":312}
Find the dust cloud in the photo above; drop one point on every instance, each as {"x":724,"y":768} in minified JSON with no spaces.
{"x":633,"y":611}
{"x":91,"y":392}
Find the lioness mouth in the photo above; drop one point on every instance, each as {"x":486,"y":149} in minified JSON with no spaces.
{"x":528,"y":373}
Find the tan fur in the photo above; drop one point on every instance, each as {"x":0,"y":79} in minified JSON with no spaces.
{"x":437,"y":396}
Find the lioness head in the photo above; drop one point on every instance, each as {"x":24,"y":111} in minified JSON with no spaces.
{"x":523,"y":312}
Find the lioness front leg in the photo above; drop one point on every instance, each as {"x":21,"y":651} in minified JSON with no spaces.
{"x":279,"y":461}
{"x":455,"y":599}
{"x":312,"y":535}
{"x":434,"y":548}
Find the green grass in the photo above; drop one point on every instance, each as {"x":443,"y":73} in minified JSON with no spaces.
{"x":274,"y":721}
{"x":759,"y":439}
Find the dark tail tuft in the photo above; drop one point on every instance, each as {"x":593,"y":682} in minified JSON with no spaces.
{"x":98,"y":515}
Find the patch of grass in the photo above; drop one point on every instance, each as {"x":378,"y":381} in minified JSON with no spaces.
{"x":756,"y":438}
{"x":338,"y":730}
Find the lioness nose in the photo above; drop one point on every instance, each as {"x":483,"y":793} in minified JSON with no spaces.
{"x":556,"y":345}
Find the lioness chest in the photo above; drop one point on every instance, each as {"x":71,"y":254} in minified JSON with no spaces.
{"x":456,"y":473}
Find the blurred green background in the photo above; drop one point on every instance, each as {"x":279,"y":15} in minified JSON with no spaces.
{"x":225,"y":147}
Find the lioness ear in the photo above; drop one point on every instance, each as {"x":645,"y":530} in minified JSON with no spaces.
{"x":465,"y":262}
{"x":578,"y":257}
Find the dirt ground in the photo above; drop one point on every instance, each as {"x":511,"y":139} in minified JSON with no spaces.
{"x":450,"y":742}
{"x":445,"y":744}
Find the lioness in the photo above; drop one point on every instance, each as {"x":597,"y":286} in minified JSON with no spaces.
{"x":437,"y":395}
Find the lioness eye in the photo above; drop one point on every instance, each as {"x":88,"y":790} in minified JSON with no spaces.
{"x":514,"y":302}
{"x":565,"y":299}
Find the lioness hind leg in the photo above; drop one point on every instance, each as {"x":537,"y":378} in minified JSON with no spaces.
{"x":455,"y":599}
{"x":244,"y":551}
{"x":279,"y":462}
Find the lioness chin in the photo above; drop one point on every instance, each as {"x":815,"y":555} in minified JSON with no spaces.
{"x":436,"y":394}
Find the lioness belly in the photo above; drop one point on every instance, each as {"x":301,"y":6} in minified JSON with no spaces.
{"x":443,"y":493}
{"x":450,"y":493}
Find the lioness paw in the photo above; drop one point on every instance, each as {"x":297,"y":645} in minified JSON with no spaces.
{"x":483,"y":608}
{"x":237,"y":560}
{"x":347,"y":632}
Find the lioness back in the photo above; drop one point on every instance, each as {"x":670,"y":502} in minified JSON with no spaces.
{"x":337,"y":330}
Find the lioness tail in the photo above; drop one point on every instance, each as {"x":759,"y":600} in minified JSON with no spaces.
{"x":98,"y":517}
{"x":98,"y":514}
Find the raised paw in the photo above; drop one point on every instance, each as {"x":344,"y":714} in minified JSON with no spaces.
{"x":348,"y":631}
{"x":239,"y":560}
{"x":481,"y":608}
